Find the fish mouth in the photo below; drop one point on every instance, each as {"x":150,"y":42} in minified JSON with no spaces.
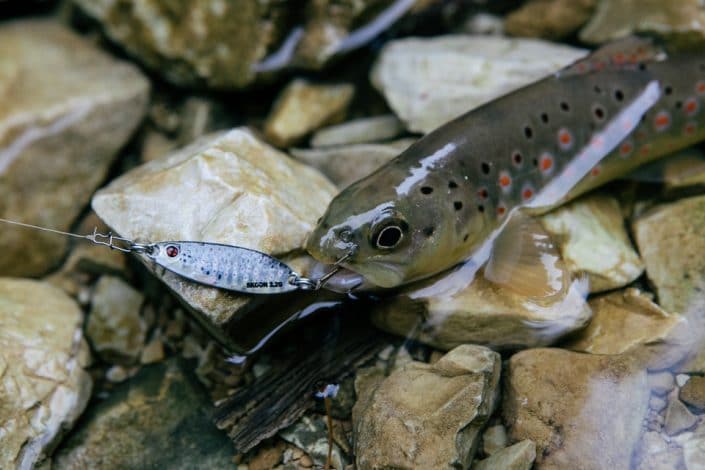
{"x":346,"y":279}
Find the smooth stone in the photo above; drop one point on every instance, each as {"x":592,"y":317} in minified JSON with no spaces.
{"x":657,"y":404}
{"x":661,"y":383}
{"x":359,"y":131}
{"x":494,"y":439}
{"x":115,"y":327}
{"x":302,"y":107}
{"x":681,"y":22}
{"x":693,"y":393}
{"x":227,"y":188}
{"x":43,"y":385}
{"x":519,"y":456}
{"x":428,"y":82}
{"x":427,"y":415}
{"x":581,"y":410}
{"x":550,"y":19}
{"x":481,"y":313}
{"x":158,"y":419}
{"x":67,"y":109}
{"x":678,"y":418}
{"x":217,"y":46}
{"x":349,"y":163}
{"x":629,"y":321}
{"x":311,"y":435}
{"x":595,"y":241}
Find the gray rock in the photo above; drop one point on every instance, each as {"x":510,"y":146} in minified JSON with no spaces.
{"x":427,"y":82}
{"x":43,"y":386}
{"x":661,"y":383}
{"x":427,"y":415}
{"x":159,"y":419}
{"x":657,"y":403}
{"x":581,"y":410}
{"x":359,"y":131}
{"x":115,"y":327}
{"x":519,"y":456}
{"x":678,"y":418}
{"x":67,"y":109}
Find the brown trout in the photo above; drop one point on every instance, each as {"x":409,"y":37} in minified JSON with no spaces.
{"x":448,"y":197}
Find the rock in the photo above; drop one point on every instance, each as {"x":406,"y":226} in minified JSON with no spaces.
{"x":267,"y":457}
{"x":657,"y":404}
{"x":228,"y":188}
{"x":494,"y":439}
{"x":159,"y":419}
{"x":595,"y":241}
{"x":115,"y":327}
{"x":678,"y":418}
{"x":484,"y":24}
{"x":304,"y":107}
{"x":481,"y":313}
{"x":693,"y":393}
{"x":43,"y":387}
{"x":67,"y":109}
{"x":152,"y":352}
{"x":682,"y":22}
{"x":349,"y":163}
{"x":212,"y":43}
{"x":427,"y":416}
{"x":683,"y":169}
{"x":582,"y":410}
{"x":427,"y":82}
{"x":359,"y":131}
{"x":550,"y":19}
{"x":661,"y":383}
{"x":519,"y":456}
{"x":654,"y":453}
{"x":694,"y":451}
{"x":629,"y":321}
{"x":311,"y":435}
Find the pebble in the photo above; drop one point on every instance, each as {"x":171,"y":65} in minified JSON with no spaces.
{"x":550,"y":19}
{"x":519,"y":456}
{"x":660,"y":383}
{"x":678,"y":418}
{"x":494,"y":439}
{"x":692,"y":393}
{"x":359,"y":131}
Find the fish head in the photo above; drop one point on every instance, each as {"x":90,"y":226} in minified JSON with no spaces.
{"x":386,"y":238}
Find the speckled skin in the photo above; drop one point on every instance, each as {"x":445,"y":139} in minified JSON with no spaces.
{"x":456,"y":185}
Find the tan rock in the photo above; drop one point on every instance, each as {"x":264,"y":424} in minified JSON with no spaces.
{"x":43,"y":387}
{"x":630,"y":321}
{"x":682,"y":21}
{"x":550,"y":19}
{"x":115,"y":327}
{"x":348,"y":163}
{"x":427,"y":416}
{"x":693,"y":393}
{"x":67,"y":108}
{"x":595,"y":241}
{"x":583,"y":411}
{"x":304,"y":107}
{"x":228,"y":188}
{"x":427,"y":82}
{"x":359,"y":131}
{"x":519,"y":456}
{"x":152,"y":352}
{"x":494,"y":439}
{"x":678,"y":418}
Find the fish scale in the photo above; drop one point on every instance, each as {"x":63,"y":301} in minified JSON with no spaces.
{"x":435,"y":204}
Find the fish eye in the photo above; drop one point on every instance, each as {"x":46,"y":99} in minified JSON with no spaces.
{"x":389,"y":234}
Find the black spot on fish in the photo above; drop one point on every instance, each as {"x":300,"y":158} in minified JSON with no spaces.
{"x":618,"y":95}
{"x":426,"y":190}
{"x":485,"y":167}
{"x":678,"y":104}
{"x":516,"y":158}
{"x":544,"y":118}
{"x":481,"y":208}
{"x":667,"y":90}
{"x":428,"y":231}
{"x":465,"y":238}
{"x":642,"y":66}
{"x":599,"y":112}
{"x":597,"y":89}
{"x":535,"y":162}
{"x":457,"y":205}
{"x":565,"y":106}
{"x":220,"y":276}
{"x":528,"y":132}
{"x":452,"y":184}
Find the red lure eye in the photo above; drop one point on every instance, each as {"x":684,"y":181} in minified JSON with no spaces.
{"x":172,"y":251}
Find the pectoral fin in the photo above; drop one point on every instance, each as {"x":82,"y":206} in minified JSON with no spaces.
{"x":526,"y":260}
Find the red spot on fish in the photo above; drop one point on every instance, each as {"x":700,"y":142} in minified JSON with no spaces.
{"x":689,"y":128}
{"x":700,"y":87}
{"x":662,"y":121}
{"x":595,"y":171}
{"x":565,"y":139}
{"x":626,"y":149}
{"x":645,"y":149}
{"x":483,"y":193}
{"x":527,"y":192}
{"x":599,"y":65}
{"x":691,"y":106}
{"x":618,"y":58}
{"x":505,"y":180}
{"x":172,"y":251}
{"x":501,"y":210}
{"x":546,"y":162}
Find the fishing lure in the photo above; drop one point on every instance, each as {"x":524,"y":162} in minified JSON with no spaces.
{"x":228,"y":267}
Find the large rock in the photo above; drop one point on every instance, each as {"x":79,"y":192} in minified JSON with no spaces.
{"x":682,"y":21}
{"x":582,"y":411}
{"x":159,"y":419}
{"x":427,"y":82}
{"x":427,"y":415}
{"x":550,"y":19}
{"x":228,"y":188}
{"x":67,"y":108}
{"x":595,"y":242}
{"x":43,"y":387}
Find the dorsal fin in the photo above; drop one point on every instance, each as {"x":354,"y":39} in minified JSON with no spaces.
{"x":623,"y":53}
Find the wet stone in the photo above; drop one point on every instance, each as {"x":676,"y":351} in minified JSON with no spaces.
{"x":422,"y":79}
{"x":67,"y":108}
{"x":159,"y":419}
{"x":43,"y":386}
{"x":115,"y":327}
{"x":693,"y":393}
{"x":427,"y":415}
{"x":519,"y":456}
{"x":550,"y":19}
{"x":304,"y":107}
{"x":678,"y":418}
{"x":558,"y":399}
{"x":359,"y":131}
